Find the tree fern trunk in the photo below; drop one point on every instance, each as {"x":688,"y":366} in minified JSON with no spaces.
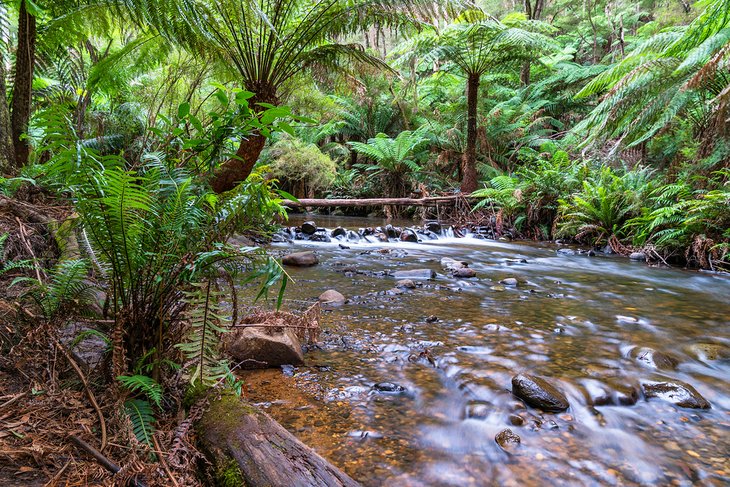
{"x":7,"y":152}
{"x":23,"y":88}
{"x":469,"y":161}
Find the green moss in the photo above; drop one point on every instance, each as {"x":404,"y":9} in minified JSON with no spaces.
{"x":230,"y":476}
{"x":193,"y":393}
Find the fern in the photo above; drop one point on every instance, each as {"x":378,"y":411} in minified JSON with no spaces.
{"x":142,"y":417}
{"x":144,"y":385}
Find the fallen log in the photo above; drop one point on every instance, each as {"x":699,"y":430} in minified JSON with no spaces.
{"x":247,"y":447}
{"x":427,"y":201}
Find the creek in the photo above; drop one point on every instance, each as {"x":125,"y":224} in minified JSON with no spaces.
{"x":455,"y":344}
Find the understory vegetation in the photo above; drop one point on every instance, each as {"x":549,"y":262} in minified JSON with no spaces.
{"x":138,"y":136}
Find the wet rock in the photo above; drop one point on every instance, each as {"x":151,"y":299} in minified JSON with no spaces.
{"x":637,"y":256}
{"x":434,"y":227}
{"x":497,"y":288}
{"x":308,"y":228}
{"x":332,"y":297}
{"x":261,"y":348}
{"x":344,"y":247}
{"x":509,"y":281}
{"x":477,"y":410}
{"x":449,"y":264}
{"x":415,"y":274}
{"x":507,"y":440}
{"x":389,"y":387}
{"x":611,"y":393}
{"x":465,"y":273}
{"x":653,"y":359}
{"x":320,"y":237}
{"x":566,"y":252}
{"x":709,"y":351}
{"x":352,"y":236}
{"x":279,"y":238}
{"x":516,"y":420}
{"x":406,"y":284}
{"x":675,"y":392}
{"x":591,"y":253}
{"x":515,"y":261}
{"x":300,"y":259}
{"x":539,"y":393}
{"x":408,"y":235}
{"x":390,"y":231}
{"x":381,"y":237}
{"x":432,"y":319}
{"x":339,"y":232}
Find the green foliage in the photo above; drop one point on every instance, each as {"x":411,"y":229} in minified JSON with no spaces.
{"x":144,"y":385}
{"x":300,"y":163}
{"x":142,"y":417}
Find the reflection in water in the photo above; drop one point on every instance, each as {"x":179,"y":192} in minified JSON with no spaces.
{"x":572,"y":319}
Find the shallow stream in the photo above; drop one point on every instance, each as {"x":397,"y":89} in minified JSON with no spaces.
{"x":454,"y":345}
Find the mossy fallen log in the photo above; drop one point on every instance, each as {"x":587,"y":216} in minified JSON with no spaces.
{"x":247,"y":447}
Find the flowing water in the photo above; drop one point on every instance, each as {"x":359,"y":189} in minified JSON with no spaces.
{"x":572,"y":320}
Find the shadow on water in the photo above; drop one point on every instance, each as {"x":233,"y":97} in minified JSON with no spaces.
{"x":571,"y":319}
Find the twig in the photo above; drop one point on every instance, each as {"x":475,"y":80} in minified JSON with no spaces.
{"x":103,"y":461}
{"x":12,"y":400}
{"x":54,"y":480}
{"x":21,"y":229}
{"x":163,"y":462}
{"x":89,"y":394}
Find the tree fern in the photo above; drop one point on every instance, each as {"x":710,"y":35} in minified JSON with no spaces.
{"x":142,"y":417}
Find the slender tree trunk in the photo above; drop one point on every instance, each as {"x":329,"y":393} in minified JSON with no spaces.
{"x":237,"y":169}
{"x":7,"y":152}
{"x":23,"y":88}
{"x":533,"y":12}
{"x":469,"y":161}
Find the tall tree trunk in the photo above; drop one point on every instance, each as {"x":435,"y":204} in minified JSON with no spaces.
{"x":23,"y":88}
{"x":237,"y":168}
{"x":533,"y":12}
{"x":7,"y":152}
{"x":469,"y":160}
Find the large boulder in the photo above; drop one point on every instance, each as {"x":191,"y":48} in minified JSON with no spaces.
{"x":675,"y":392}
{"x":262,"y":347}
{"x":539,"y":393}
{"x":332,"y":297}
{"x":300,"y":259}
{"x":415,"y":274}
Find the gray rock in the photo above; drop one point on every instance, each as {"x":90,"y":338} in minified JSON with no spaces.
{"x":465,"y":273}
{"x":637,"y":256}
{"x":675,"y":392}
{"x":653,"y":359}
{"x":415,"y":274}
{"x":406,"y":284}
{"x":260,"y":348}
{"x":300,"y":259}
{"x":352,"y":236}
{"x":332,"y":297}
{"x":389,"y":387}
{"x":390,"y":231}
{"x":434,"y":227}
{"x":308,"y":228}
{"x":566,"y":252}
{"x":507,"y":440}
{"x":449,"y":264}
{"x":509,"y":281}
{"x":339,"y":232}
{"x":539,"y":393}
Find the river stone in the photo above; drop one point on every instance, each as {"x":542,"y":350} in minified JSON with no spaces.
{"x":308,"y":228}
{"x":434,"y":227}
{"x":566,"y":252}
{"x":320,"y":236}
{"x":381,"y":237}
{"x":676,"y":392}
{"x":507,"y":440}
{"x":509,"y":281}
{"x":653,"y":359}
{"x":258,"y":348}
{"x":390,"y":231}
{"x":611,"y":393}
{"x":332,"y":297}
{"x":408,"y":235}
{"x":477,"y":409}
{"x":339,"y":232}
{"x":450,"y":264}
{"x":406,"y":284}
{"x":415,"y":274}
{"x":465,"y":273}
{"x":300,"y":259}
{"x":389,"y":387}
{"x":637,"y":256}
{"x":516,"y":420}
{"x":539,"y":393}
{"x":709,"y":351}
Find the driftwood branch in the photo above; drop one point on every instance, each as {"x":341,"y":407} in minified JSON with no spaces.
{"x":329,"y":203}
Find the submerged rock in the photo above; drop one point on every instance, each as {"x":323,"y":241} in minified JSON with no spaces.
{"x":300,"y":259}
{"x":339,"y":232}
{"x":637,"y":256}
{"x":653,"y":359}
{"x":566,"y":252}
{"x":332,"y":297}
{"x":260,"y":348}
{"x":415,"y":274}
{"x":434,"y":227}
{"x":509,"y":281}
{"x":465,"y":273}
{"x":539,"y":393}
{"x":675,"y":392}
{"x":389,"y":387}
{"x":408,"y":235}
{"x":709,"y":351}
{"x":507,"y":440}
{"x":477,"y":409}
{"x":610,"y":393}
{"x":406,"y":284}
{"x":308,"y":228}
{"x":450,"y":264}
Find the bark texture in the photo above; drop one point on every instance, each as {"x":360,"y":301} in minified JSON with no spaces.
{"x":7,"y":152}
{"x":247,"y":447}
{"x":23,"y":86}
{"x":469,"y":162}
